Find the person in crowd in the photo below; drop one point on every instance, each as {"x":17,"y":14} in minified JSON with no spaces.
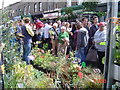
{"x":93,"y":29}
{"x":99,"y":41}
{"x":63,"y":23}
{"x":39,"y":29}
{"x":89,"y":25}
{"x":46,"y":34}
{"x":74,"y":31}
{"x":54,"y":31}
{"x":67,"y":25}
{"x":18,"y":33}
{"x":59,"y":24}
{"x":34,"y":39}
{"x":85,"y":23}
{"x":39,"y":32}
{"x":82,"y":41}
{"x":38,"y":24}
{"x":69,"y":30}
{"x":27,"y":40}
{"x":63,"y":38}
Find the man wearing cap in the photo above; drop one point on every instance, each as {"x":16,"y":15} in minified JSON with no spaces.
{"x":99,"y":41}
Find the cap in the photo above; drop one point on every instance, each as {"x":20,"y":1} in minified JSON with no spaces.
{"x":101,"y":24}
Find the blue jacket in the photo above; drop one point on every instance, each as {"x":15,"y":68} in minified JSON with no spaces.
{"x":27,"y":38}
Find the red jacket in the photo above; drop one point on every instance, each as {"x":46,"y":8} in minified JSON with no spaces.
{"x":39,"y":25}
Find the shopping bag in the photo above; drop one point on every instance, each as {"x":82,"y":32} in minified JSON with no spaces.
{"x":92,"y":55}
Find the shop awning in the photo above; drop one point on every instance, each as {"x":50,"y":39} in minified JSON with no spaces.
{"x":25,"y":16}
{"x":32,"y":16}
{"x":76,"y":7}
{"x":38,"y":15}
{"x":51,"y":15}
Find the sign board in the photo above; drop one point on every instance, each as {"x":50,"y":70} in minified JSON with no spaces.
{"x":56,"y":14}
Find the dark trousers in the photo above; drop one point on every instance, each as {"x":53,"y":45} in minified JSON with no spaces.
{"x":100,"y":64}
{"x":47,"y":41}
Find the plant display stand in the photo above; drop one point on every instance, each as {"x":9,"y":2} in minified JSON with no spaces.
{"x":116,"y":72}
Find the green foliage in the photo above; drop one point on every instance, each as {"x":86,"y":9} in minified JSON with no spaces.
{"x":20,"y":75}
{"x":117,"y":51}
{"x":68,"y":10}
{"x":101,"y":13}
{"x":45,"y":60}
{"x":28,"y":76}
{"x":90,"y":6}
{"x":118,"y":14}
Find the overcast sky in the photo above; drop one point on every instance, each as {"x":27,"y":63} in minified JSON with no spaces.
{"x":7,"y":2}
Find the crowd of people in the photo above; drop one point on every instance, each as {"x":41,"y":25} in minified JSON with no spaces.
{"x":63,"y":37}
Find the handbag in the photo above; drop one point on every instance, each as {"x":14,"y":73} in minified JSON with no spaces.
{"x":92,"y":54}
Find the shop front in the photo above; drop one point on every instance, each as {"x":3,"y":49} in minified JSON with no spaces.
{"x":51,"y":16}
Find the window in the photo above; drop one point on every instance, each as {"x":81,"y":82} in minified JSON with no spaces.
{"x":79,"y":2}
{"x":29,"y":9}
{"x":48,"y":5}
{"x":68,"y":3}
{"x":40,"y":6}
{"x":20,"y":12}
{"x":56,"y":5}
{"x":13,"y":13}
{"x":16,"y":12}
{"x":35,"y":7}
{"x":25,"y":10}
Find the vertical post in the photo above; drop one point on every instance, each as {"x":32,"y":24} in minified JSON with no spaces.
{"x":1,"y":54}
{"x":112,"y":11}
{"x":2,"y":11}
{"x":107,"y":46}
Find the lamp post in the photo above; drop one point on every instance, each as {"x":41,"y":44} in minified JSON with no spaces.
{"x":112,"y":11}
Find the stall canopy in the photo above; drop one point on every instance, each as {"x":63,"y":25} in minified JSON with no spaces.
{"x":38,"y":15}
{"x":32,"y":16}
{"x":25,"y":16}
{"x":76,"y":7}
{"x":51,"y":15}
